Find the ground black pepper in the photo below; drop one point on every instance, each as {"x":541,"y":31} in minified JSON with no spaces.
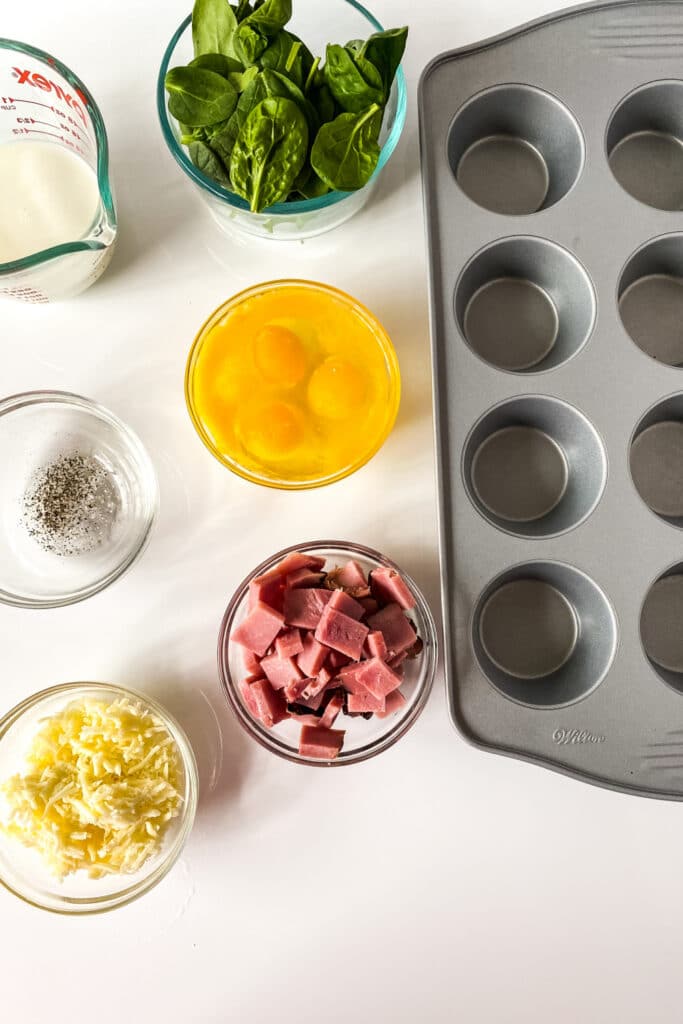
{"x":71,"y":505}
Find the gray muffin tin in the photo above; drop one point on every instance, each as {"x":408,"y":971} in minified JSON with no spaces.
{"x":552,"y":165}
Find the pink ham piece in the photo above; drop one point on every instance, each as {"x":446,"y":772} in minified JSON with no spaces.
{"x":369,"y":604}
{"x":310,"y":661}
{"x":334,"y":706}
{"x":361,"y":702}
{"x":387,"y":586}
{"x":394,"y":702}
{"x":336,"y":660}
{"x":316,"y":741}
{"x":348,"y":677}
{"x":269,"y":590}
{"x":399,"y":635}
{"x":289,"y":644}
{"x":294,"y":690}
{"x":271,"y":705}
{"x":280,"y":672}
{"x":341,"y":633}
{"x":304,"y":607}
{"x":252,"y":664}
{"x":248,"y":697}
{"x":304,"y":578}
{"x":343,"y":603}
{"x":351,"y":575}
{"x":376,"y":676}
{"x":314,"y":702}
{"x":314,"y":687}
{"x":376,"y":645}
{"x":258,"y":628}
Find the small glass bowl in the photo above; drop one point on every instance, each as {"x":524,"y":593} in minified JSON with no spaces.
{"x":380,"y":338}
{"x":343,"y":20}
{"x":23,"y":872}
{"x":35,"y":429}
{"x":365,"y":738}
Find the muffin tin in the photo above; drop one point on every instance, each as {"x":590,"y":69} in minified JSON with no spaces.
{"x":552,"y":164}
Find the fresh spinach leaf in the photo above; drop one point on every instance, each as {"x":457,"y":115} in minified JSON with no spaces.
{"x":199,"y":97}
{"x":205,"y":160}
{"x":241,"y":80}
{"x":385,"y":50}
{"x":312,"y":187}
{"x":217,"y":62}
{"x":323,"y":101}
{"x":269,"y":152}
{"x":275,"y":84}
{"x":254,"y":33}
{"x":287,"y":54}
{"x":346,"y":150}
{"x":243,"y":10}
{"x":354,"y":82}
{"x":213,"y":27}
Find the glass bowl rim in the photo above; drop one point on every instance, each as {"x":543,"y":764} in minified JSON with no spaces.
{"x":25,"y":399}
{"x":299,"y":206}
{"x":381,"y":336}
{"x":84,"y":906}
{"x":425,"y":680}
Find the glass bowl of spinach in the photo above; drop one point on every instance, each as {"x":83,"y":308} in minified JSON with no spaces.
{"x":293,"y":111}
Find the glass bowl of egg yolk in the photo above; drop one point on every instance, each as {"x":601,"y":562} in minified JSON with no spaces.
{"x":292,"y":384}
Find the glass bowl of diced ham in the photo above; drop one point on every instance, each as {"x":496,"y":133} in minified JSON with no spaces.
{"x":327,"y":653}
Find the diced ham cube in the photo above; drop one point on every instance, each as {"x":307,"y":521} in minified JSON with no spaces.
{"x":376,"y":645}
{"x":341,"y":633}
{"x":269,"y":589}
{"x":351,"y":575}
{"x":376,"y":676}
{"x":314,"y":687}
{"x":370,"y":606}
{"x":398,"y":660}
{"x":252,"y":664}
{"x":343,"y":603}
{"x":280,"y":672}
{"x":399,"y":635}
{"x":332,"y":709}
{"x":325,"y":677}
{"x":312,"y":702}
{"x":348,"y":677}
{"x":310,"y":661}
{"x":294,"y":690}
{"x":289,"y":644}
{"x":304,"y":607}
{"x":336,"y":660}
{"x":271,"y":705}
{"x":388,"y":586}
{"x":258,"y":628}
{"x":304,"y":578}
{"x":394,"y":701}
{"x":359,"y":702}
{"x":296,"y":560}
{"x":248,"y":697}
{"x":320,"y":742}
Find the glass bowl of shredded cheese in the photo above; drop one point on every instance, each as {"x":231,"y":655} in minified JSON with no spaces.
{"x":98,"y":792}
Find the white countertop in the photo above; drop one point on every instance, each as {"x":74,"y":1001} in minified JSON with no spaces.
{"x":433,"y":884}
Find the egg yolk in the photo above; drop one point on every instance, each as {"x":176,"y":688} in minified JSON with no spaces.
{"x":336,"y":389}
{"x":279,"y":356}
{"x":271,"y":430}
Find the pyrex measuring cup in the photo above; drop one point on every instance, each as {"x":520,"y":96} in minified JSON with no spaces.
{"x":41,"y":100}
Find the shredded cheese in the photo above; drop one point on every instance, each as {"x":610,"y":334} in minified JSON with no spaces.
{"x":102,"y":784}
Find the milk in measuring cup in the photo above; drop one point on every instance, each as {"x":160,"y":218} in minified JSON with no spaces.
{"x":48,"y":196}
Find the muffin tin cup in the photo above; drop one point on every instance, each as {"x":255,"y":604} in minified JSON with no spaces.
{"x":524,"y":304}
{"x":515,"y":149}
{"x":534,"y":466}
{"x":544,"y":634}
{"x":650,"y":299}
{"x":661,"y":629}
{"x":656,"y":460}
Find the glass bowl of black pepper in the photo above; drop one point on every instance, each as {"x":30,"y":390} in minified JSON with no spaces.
{"x":78,"y":497}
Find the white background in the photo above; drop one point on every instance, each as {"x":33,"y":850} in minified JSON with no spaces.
{"x":433,"y":884}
